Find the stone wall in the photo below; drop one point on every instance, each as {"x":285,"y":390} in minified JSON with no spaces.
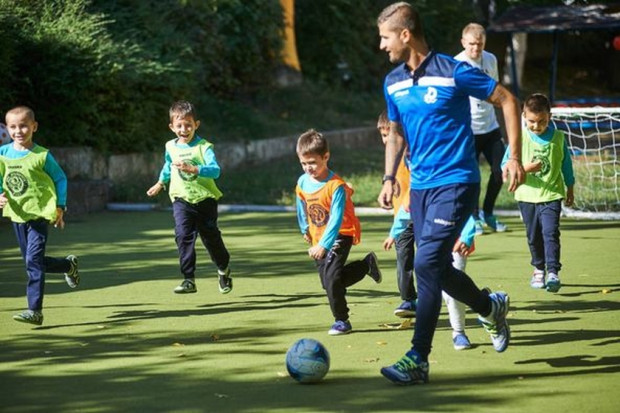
{"x":91,"y":175}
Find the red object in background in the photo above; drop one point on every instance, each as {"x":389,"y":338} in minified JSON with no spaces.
{"x":617,"y":42}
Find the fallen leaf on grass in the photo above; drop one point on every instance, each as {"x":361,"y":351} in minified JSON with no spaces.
{"x":282,"y":374}
{"x":221,"y":396}
{"x":371,"y":360}
{"x":404,"y":325}
{"x":215,"y":337}
{"x":381,"y":343}
{"x":181,"y":355}
{"x":605,"y":291}
{"x":177,"y":344}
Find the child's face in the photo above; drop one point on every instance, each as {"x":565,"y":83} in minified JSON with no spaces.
{"x":184,"y":127}
{"x":21,"y":128}
{"x":384,"y":131}
{"x":536,"y":122}
{"x":473,"y":45}
{"x":315,"y":165}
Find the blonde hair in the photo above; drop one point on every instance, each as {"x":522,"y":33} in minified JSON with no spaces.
{"x":475,"y":30}
{"x":383,"y":121}
{"x":312,"y":142}
{"x":402,"y":16}
{"x":22,"y":110}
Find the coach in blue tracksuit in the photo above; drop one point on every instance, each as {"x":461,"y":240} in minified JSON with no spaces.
{"x":428,"y":95}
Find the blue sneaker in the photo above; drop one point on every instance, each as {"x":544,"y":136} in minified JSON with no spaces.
{"x":496,"y":324}
{"x":461,"y":342}
{"x":30,"y":317}
{"x":408,"y":370}
{"x":494,"y":224}
{"x":406,"y":309}
{"x":538,"y":279}
{"x":553,"y":283}
{"x":339,"y":328}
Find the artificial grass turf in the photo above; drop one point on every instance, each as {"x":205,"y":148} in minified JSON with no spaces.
{"x":124,"y":342}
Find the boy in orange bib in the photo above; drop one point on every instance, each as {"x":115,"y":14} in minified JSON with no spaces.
{"x":327,"y":221}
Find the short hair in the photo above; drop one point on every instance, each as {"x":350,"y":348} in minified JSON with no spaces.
{"x":181,"y":109}
{"x":383,"y":121}
{"x":475,"y":30}
{"x":402,"y":15}
{"x":537,"y":103}
{"x":22,"y":110}
{"x":312,"y":142}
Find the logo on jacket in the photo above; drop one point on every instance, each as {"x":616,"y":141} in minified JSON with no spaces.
{"x":16,"y":183}
{"x":318,"y":215}
{"x":431,"y":95}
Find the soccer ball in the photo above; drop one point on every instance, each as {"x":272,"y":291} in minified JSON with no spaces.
{"x":307,"y":361}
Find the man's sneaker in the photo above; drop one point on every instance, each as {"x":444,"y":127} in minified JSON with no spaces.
{"x":73,"y":276}
{"x":186,"y":287}
{"x":461,"y":342}
{"x":494,"y":223}
{"x":408,"y":370}
{"x":538,"y":279}
{"x":30,"y":317}
{"x":339,"y":328}
{"x":553,"y":283}
{"x":478,"y":227}
{"x":373,"y":267}
{"x":406,"y":309}
{"x":225,"y":281}
{"x":495,"y":323}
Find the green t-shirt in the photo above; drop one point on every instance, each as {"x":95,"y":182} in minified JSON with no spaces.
{"x":547,"y":184}
{"x":31,"y":191}
{"x":190,"y":187}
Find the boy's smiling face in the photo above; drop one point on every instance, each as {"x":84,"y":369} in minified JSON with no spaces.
{"x":315,"y":165}
{"x":21,"y":128}
{"x":184,"y":127}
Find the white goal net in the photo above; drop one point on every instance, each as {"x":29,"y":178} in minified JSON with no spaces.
{"x":594,"y":141}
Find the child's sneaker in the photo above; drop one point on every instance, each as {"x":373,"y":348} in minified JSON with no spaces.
{"x":494,"y":224}
{"x":406,"y":309}
{"x":538,"y":279}
{"x":186,"y":287}
{"x":30,"y":317}
{"x":495,"y":323}
{"x":73,"y":276}
{"x":408,"y":370}
{"x":339,"y":328}
{"x":478,"y":227}
{"x":553,"y":283}
{"x":225,"y":281}
{"x":461,"y":342}
{"x":373,"y":267}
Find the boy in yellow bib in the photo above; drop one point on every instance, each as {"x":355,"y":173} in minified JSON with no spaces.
{"x":33,"y":194}
{"x":327,"y":220}
{"x":549,"y":179}
{"x":190,"y":169}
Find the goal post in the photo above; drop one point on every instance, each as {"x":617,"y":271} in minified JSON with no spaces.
{"x":593,"y":135}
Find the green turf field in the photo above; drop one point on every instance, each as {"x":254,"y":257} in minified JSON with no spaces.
{"x":124,"y":342}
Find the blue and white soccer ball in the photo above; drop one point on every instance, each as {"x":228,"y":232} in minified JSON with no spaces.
{"x":307,"y":361}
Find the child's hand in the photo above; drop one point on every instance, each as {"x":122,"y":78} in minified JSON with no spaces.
{"x":462,"y":249}
{"x":317,"y":252}
{"x":155,"y":189}
{"x":59,"y":222}
{"x":185,"y":167}
{"x":307,"y":238}
{"x":3,"y":200}
{"x":388,"y":243}
{"x":532,"y":167}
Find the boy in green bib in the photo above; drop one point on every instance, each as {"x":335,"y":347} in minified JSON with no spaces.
{"x":549,"y":179}
{"x":33,"y":193}
{"x":190,"y":170}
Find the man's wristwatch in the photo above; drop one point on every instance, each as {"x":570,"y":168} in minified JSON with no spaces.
{"x":388,"y":178}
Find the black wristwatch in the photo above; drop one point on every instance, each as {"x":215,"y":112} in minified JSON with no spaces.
{"x":388,"y":178}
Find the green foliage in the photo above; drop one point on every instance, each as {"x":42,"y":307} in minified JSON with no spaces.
{"x":103,"y":73}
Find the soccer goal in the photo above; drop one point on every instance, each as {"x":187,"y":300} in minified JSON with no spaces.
{"x":594,"y":141}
